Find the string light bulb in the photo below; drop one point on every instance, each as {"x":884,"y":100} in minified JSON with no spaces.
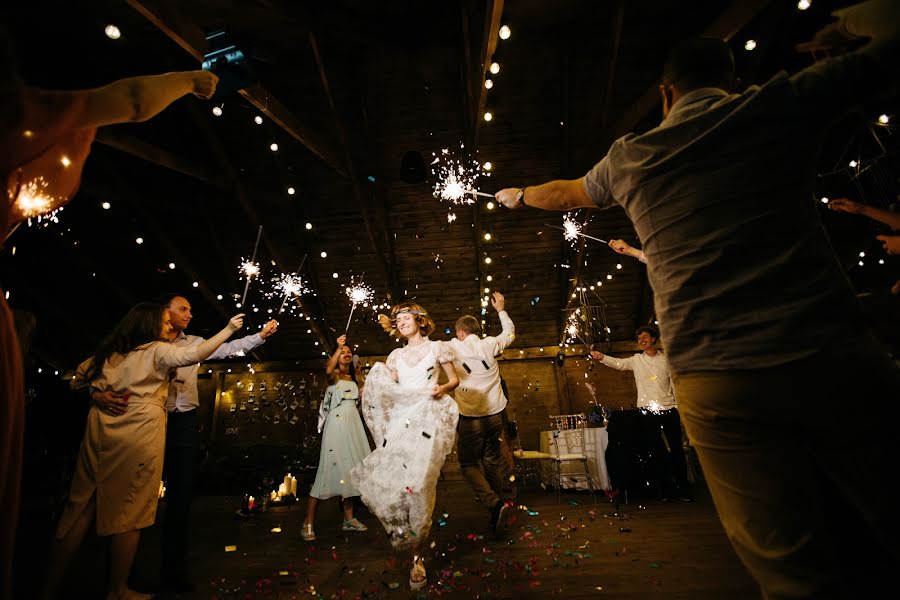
{"x":291,"y":191}
{"x":139,"y":241}
{"x":488,"y":84}
{"x":505,"y":32}
{"x":217,"y":110}
{"x":495,"y":68}
{"x":196,"y":284}
{"x":884,"y":119}
{"x":172,"y":266}
{"x":750,"y":45}
{"x":487,"y":236}
{"x":490,"y":206}
{"x":804,"y":4}
{"x":488,"y":116}
{"x":112,"y":32}
{"x":324,"y":254}
{"x":106,"y":206}
{"x":488,"y":166}
{"x":258,"y":120}
{"x":309,"y":226}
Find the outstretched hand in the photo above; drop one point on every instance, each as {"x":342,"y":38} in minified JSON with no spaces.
{"x":596,"y":355}
{"x":509,"y":198}
{"x":236,"y":322}
{"x":891,"y":243}
{"x":204,"y":84}
{"x":342,"y":341}
{"x":268,"y":329}
{"x":846,"y":205}
{"x":498,"y":302}
{"x":829,"y":37}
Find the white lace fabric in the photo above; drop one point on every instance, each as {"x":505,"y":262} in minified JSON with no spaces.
{"x":413,"y":433}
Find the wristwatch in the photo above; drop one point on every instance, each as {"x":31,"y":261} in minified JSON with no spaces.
{"x":520,"y":198}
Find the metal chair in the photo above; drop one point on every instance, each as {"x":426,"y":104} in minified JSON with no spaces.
{"x":525,"y":459}
{"x":571,"y":429}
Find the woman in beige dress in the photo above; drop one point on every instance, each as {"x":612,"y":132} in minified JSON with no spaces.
{"x":120,"y":464}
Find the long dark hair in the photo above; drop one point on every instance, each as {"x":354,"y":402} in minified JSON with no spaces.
{"x":140,"y":326}
{"x":351,"y":370}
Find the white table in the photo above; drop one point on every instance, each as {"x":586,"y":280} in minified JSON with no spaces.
{"x":596,"y":439}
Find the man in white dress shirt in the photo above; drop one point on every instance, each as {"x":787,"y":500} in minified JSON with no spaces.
{"x":482,"y":413}
{"x":661,"y":423}
{"x":183,"y":440}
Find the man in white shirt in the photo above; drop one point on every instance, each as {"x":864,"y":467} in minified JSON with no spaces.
{"x":482,"y":412}
{"x":660,"y":431}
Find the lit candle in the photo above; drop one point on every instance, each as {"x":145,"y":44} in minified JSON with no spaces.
{"x":282,"y":490}
{"x":287,"y":483}
{"x":294,"y":486}
{"x":273,"y":496}
{"x":251,"y":504}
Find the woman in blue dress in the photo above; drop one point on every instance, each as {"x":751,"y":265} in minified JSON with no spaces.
{"x":344,"y":442}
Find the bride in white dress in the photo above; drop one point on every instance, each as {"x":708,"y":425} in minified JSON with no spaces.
{"x":413,"y":422}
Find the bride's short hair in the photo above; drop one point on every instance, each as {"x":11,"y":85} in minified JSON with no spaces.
{"x":426,"y":325}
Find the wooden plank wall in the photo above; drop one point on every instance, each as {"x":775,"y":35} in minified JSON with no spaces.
{"x":538,"y":387}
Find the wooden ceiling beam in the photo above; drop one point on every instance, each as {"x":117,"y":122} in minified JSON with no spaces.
{"x":384,"y":258}
{"x":494,"y":13}
{"x":123,"y":142}
{"x":169,"y":19}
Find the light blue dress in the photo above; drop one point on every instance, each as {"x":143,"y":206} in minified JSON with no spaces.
{"x":344,"y":442}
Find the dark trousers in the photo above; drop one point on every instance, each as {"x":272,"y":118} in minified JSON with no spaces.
{"x":663,"y":438}
{"x":485,"y":458}
{"x":182,"y":455}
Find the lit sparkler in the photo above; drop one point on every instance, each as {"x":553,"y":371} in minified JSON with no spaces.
{"x":250,"y":268}
{"x":456,"y":177}
{"x":358,"y":293}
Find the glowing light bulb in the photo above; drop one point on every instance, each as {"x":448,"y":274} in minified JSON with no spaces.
{"x":196,"y":284}
{"x":488,"y":116}
{"x":824,"y":200}
{"x":65,"y":161}
{"x":309,"y":226}
{"x":853,"y":164}
{"x":490,"y":206}
{"x":334,"y":275}
{"x":273,"y":147}
{"x":257,"y":119}
{"x":487,"y":236}
{"x":495,"y":68}
{"x":219,"y":297}
{"x":487,"y":260}
{"x":619,"y":265}
{"x":172,"y":266}
{"x":505,"y":32}
{"x":139,"y":241}
{"x":884,"y":119}
{"x":489,"y":278}
{"x":488,"y":84}
{"x":112,"y":32}
{"x":291,"y":191}
{"x":488,"y":166}
{"x":217,"y":110}
{"x":324,"y":254}
{"x":750,"y":45}
{"x":804,"y":4}
{"x":609,"y":276}
{"x":106,"y":206}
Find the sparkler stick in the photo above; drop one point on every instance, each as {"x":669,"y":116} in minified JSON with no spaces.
{"x":590,"y":237}
{"x":248,"y":272}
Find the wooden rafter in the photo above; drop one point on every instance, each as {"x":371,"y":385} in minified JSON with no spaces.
{"x":116,"y":139}
{"x":169,"y":19}
{"x":383,"y":259}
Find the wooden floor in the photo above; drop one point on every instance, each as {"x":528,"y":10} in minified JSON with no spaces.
{"x":571,"y":549}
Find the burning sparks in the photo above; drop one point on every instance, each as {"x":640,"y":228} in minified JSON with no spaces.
{"x":34,"y":203}
{"x":249,"y":269}
{"x":571,"y":228}
{"x":360,"y":293}
{"x":455,"y":176}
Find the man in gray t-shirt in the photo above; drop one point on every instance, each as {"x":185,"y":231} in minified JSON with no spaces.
{"x":751,"y":298}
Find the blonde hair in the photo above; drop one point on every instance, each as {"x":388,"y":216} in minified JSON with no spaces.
{"x":389,"y":323}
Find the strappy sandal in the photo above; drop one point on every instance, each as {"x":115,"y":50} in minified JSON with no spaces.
{"x":417,"y":571}
{"x":307,"y":533}
{"x":353,"y":525}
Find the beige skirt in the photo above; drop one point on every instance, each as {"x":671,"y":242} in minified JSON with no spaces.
{"x":121,"y":461}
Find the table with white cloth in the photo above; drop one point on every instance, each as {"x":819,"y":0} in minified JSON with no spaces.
{"x":596,"y":439}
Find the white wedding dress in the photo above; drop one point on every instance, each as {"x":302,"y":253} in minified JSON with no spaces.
{"x":413,"y":434}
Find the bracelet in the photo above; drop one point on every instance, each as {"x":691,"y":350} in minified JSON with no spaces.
{"x":520,"y":198}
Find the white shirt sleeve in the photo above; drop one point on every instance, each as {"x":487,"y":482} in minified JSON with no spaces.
{"x":620,"y":364}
